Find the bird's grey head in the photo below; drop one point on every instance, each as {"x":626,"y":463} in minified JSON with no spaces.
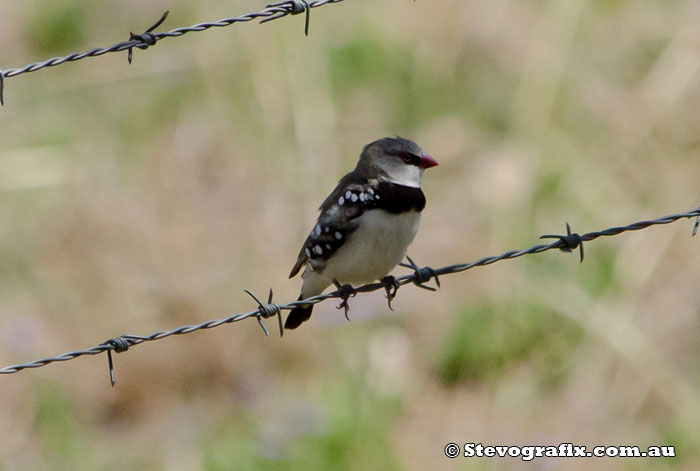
{"x":396,"y":160}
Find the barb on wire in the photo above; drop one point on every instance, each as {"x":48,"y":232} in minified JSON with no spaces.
{"x":271,"y":12}
{"x":423,"y":275}
{"x":267,"y":310}
{"x":119,"y":345}
{"x":295,"y":7}
{"x":570,"y":241}
{"x":418,"y":277}
{"x":147,"y":38}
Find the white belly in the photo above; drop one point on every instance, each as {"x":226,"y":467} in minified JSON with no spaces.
{"x":374,"y":249}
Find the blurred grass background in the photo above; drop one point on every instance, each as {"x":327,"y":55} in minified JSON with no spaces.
{"x":142,"y":197}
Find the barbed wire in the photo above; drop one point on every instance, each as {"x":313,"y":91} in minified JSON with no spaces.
{"x":420,"y":276}
{"x":148,"y":38}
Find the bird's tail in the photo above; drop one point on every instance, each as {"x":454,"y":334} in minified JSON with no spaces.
{"x":298,"y":315}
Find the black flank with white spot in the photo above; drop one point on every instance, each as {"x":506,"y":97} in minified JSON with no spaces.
{"x":343,"y":206}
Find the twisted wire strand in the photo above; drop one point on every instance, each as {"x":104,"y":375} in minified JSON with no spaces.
{"x":271,"y":12}
{"x":420,"y":275}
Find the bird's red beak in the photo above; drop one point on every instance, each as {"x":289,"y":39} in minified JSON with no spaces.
{"x":427,"y":161}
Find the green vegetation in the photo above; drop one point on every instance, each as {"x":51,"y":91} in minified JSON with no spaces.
{"x":485,"y":341}
{"x":348,"y":427}
{"x":57,"y":26}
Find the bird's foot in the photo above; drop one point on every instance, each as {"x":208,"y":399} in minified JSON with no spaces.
{"x":346,"y":292}
{"x":392,"y":287}
{"x":423,"y":275}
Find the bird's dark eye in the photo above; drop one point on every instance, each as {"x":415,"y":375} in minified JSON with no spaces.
{"x":409,"y":158}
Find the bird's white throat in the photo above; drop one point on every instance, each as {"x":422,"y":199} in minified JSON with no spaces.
{"x":402,"y":174}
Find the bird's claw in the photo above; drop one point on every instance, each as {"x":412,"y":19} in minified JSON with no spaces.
{"x":423,"y":275}
{"x":392,"y":287}
{"x":346,"y":292}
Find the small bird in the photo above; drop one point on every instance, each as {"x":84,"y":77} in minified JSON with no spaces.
{"x":366,"y":223}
